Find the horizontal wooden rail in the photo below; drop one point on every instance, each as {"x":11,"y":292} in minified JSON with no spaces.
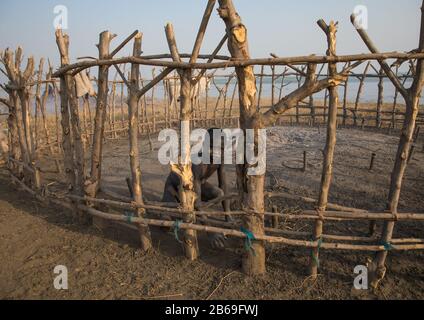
{"x":306,"y":214}
{"x":396,"y":244}
{"x":238,"y":63}
{"x":242,"y":235}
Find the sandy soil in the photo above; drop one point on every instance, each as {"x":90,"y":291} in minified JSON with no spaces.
{"x":104,"y":262}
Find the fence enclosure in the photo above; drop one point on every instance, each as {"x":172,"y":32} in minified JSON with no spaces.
{"x":88,"y":110}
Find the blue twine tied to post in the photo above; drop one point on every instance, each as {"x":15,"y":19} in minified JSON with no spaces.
{"x":250,"y":237}
{"x":315,"y":257}
{"x":129,"y":216}
{"x":387,"y":246}
{"x":176,"y":229}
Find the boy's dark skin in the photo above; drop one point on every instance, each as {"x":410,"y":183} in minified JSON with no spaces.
{"x":205,"y":191}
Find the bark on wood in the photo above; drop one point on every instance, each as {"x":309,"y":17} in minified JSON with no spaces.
{"x":92,"y":185}
{"x":187,"y":194}
{"x":62,"y":41}
{"x":380,"y":99}
{"x":330,"y":31}
{"x":301,"y":60}
{"x":358,"y":96}
{"x":251,"y":187}
{"x":377,"y":268}
{"x":145,"y":238}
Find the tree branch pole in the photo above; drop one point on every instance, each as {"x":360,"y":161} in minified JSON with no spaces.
{"x":299,"y":60}
{"x":251,"y":188}
{"x":145,"y":237}
{"x":373,"y":49}
{"x":327,"y":173}
{"x":12,"y":64}
{"x":72,"y":144}
{"x":202,"y":30}
{"x":183,"y":169}
{"x":358,"y":96}
{"x":45,"y":125}
{"x":412,"y":97}
{"x":62,"y":41}
{"x":92,"y":185}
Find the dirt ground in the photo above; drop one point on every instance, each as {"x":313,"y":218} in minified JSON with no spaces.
{"x":104,"y":262}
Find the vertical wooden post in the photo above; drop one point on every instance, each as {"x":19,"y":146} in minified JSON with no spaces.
{"x":251,"y":187}
{"x":283,"y":77}
{"x":261,"y":80}
{"x":75,"y":151}
{"x":38,"y":140}
{"x":358,"y":95}
{"x":346,"y":86}
{"x":311,"y":106}
{"x":225,"y":100}
{"x":183,"y":169}
{"x":165,"y":103}
{"x":93,"y":184}
{"x":327,"y":173}
{"x":305,"y":161}
{"x":232,"y":100}
{"x":153,"y":105}
{"x":44,"y":117}
{"x":380,"y":98}
{"x":57,"y":119}
{"x":113,"y":111}
{"x":373,"y":156}
{"x":12,"y":64}
{"x":395,"y":102}
{"x":85,"y":107}
{"x":377,"y":267}
{"x":325,"y":106}
{"x":206,"y":102}
{"x":273,"y":85}
{"x":24,"y":97}
{"x":299,"y":80}
{"x":122,"y":106}
{"x":74,"y":118}
{"x":12,"y":123}
{"x":62,"y":41}
{"x":133,"y":110}
{"x":394,"y":112}
{"x":143,"y":111}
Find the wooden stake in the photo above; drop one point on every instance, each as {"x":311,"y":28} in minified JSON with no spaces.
{"x":327,"y":173}
{"x":93,"y":183}
{"x":251,"y":187}
{"x":372,"y":161}
{"x":62,"y":41}
{"x":187,"y":194}
{"x":380,"y":99}
{"x":358,"y":96}
{"x":377,"y":268}
{"x":145,"y":238}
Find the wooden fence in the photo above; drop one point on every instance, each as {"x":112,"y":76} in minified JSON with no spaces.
{"x":131,"y":106}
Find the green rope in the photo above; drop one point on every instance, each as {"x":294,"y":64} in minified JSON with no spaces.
{"x":176,"y":229}
{"x":387,"y":246}
{"x":315,"y":257}
{"x":129,"y":216}
{"x":250,"y":237}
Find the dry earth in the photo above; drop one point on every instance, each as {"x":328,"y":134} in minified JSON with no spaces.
{"x":104,"y":262}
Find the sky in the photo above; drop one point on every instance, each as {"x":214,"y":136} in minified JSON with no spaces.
{"x":283,"y":27}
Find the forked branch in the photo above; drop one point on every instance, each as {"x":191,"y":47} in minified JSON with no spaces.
{"x":384,"y":65}
{"x":311,"y":85}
